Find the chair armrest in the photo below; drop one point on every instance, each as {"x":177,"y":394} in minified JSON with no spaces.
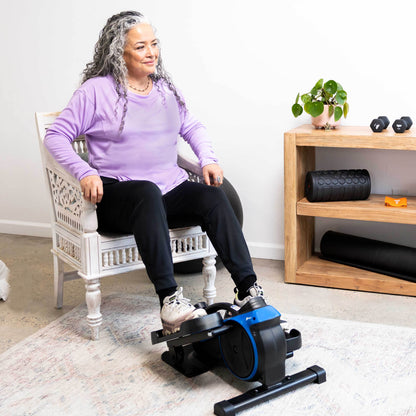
{"x":70,"y":208}
{"x":192,"y":167}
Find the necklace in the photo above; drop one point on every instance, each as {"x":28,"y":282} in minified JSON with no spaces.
{"x":144,"y":89}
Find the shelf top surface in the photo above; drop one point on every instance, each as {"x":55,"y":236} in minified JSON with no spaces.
{"x":371,"y":209}
{"x":353,"y":136}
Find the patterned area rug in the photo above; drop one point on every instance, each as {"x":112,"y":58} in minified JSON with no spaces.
{"x":371,"y":370}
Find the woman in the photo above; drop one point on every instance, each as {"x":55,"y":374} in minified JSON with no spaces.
{"x":131,"y":115}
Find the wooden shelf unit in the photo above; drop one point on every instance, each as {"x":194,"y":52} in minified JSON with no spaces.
{"x":301,"y":264}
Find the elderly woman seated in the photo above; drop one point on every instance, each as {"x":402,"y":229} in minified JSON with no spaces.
{"x":131,"y":114}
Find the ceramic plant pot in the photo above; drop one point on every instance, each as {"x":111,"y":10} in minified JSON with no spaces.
{"x":323,"y":121}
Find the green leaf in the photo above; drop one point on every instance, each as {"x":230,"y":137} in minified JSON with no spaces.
{"x":330,"y":110}
{"x":308,"y":107}
{"x":339,"y":87}
{"x":314,"y":91}
{"x":316,"y":108}
{"x":297,"y":110}
{"x":297,"y":99}
{"x":337,"y":113}
{"x":319,"y":84}
{"x":341,"y":97}
{"x":330,"y":87}
{"x":306,"y":98}
{"x":346,"y":109}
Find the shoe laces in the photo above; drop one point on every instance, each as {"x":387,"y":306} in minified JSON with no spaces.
{"x":256,"y":290}
{"x":252,"y":292}
{"x":178,"y":299}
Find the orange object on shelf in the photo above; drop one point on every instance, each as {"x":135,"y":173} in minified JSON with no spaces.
{"x":395,"y":202}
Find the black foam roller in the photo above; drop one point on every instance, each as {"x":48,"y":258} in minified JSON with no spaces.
{"x":368,"y":254}
{"x":337,"y":185}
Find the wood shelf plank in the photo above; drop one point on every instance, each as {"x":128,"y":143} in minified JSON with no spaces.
{"x":371,"y":209}
{"x":319,"y":272}
{"x":355,"y":137}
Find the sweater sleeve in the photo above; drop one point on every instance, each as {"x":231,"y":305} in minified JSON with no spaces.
{"x":195,"y":134}
{"x":73,"y":121}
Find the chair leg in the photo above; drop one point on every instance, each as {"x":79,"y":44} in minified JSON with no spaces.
{"x":93,"y":299}
{"x":209,"y":273}
{"x":58,"y":281}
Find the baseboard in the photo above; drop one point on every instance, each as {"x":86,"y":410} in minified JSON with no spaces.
{"x":40,"y":229}
{"x":266,"y":251}
{"x":35,"y":229}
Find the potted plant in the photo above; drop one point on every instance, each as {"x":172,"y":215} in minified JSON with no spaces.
{"x":326,"y":103}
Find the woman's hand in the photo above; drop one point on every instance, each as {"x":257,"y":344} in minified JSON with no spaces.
{"x":92,"y":188}
{"x":213,"y":174}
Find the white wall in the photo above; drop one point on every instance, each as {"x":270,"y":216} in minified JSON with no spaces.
{"x":240,"y":64}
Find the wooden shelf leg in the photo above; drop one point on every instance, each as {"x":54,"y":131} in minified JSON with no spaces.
{"x":299,"y":231}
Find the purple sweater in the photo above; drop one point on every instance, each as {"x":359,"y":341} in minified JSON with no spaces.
{"x":147,"y":147}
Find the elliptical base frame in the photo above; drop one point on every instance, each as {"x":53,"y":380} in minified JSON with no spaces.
{"x":192,"y":351}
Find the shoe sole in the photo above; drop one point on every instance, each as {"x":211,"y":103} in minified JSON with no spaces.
{"x":241,"y":303}
{"x":172,"y":327}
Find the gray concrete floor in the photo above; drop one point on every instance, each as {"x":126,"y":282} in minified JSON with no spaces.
{"x":30,"y":305}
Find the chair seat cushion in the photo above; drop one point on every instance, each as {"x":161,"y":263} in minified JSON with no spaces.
{"x":181,"y":221}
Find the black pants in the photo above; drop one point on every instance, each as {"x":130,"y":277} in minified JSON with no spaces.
{"x":139,"y":207}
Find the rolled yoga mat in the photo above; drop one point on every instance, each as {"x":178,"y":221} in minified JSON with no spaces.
{"x":337,"y":185}
{"x":374,"y":255}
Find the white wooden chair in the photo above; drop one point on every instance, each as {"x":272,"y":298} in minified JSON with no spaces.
{"x":77,"y":243}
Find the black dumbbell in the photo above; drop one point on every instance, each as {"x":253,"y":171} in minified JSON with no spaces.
{"x":402,"y":124}
{"x":379,"y":124}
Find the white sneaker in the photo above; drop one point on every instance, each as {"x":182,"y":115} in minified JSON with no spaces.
{"x":175,"y":310}
{"x":4,"y":281}
{"x":254,"y":291}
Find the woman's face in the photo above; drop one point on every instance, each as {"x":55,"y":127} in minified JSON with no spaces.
{"x":141,"y":51}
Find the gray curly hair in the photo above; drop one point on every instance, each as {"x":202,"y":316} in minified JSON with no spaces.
{"x":108,"y":58}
